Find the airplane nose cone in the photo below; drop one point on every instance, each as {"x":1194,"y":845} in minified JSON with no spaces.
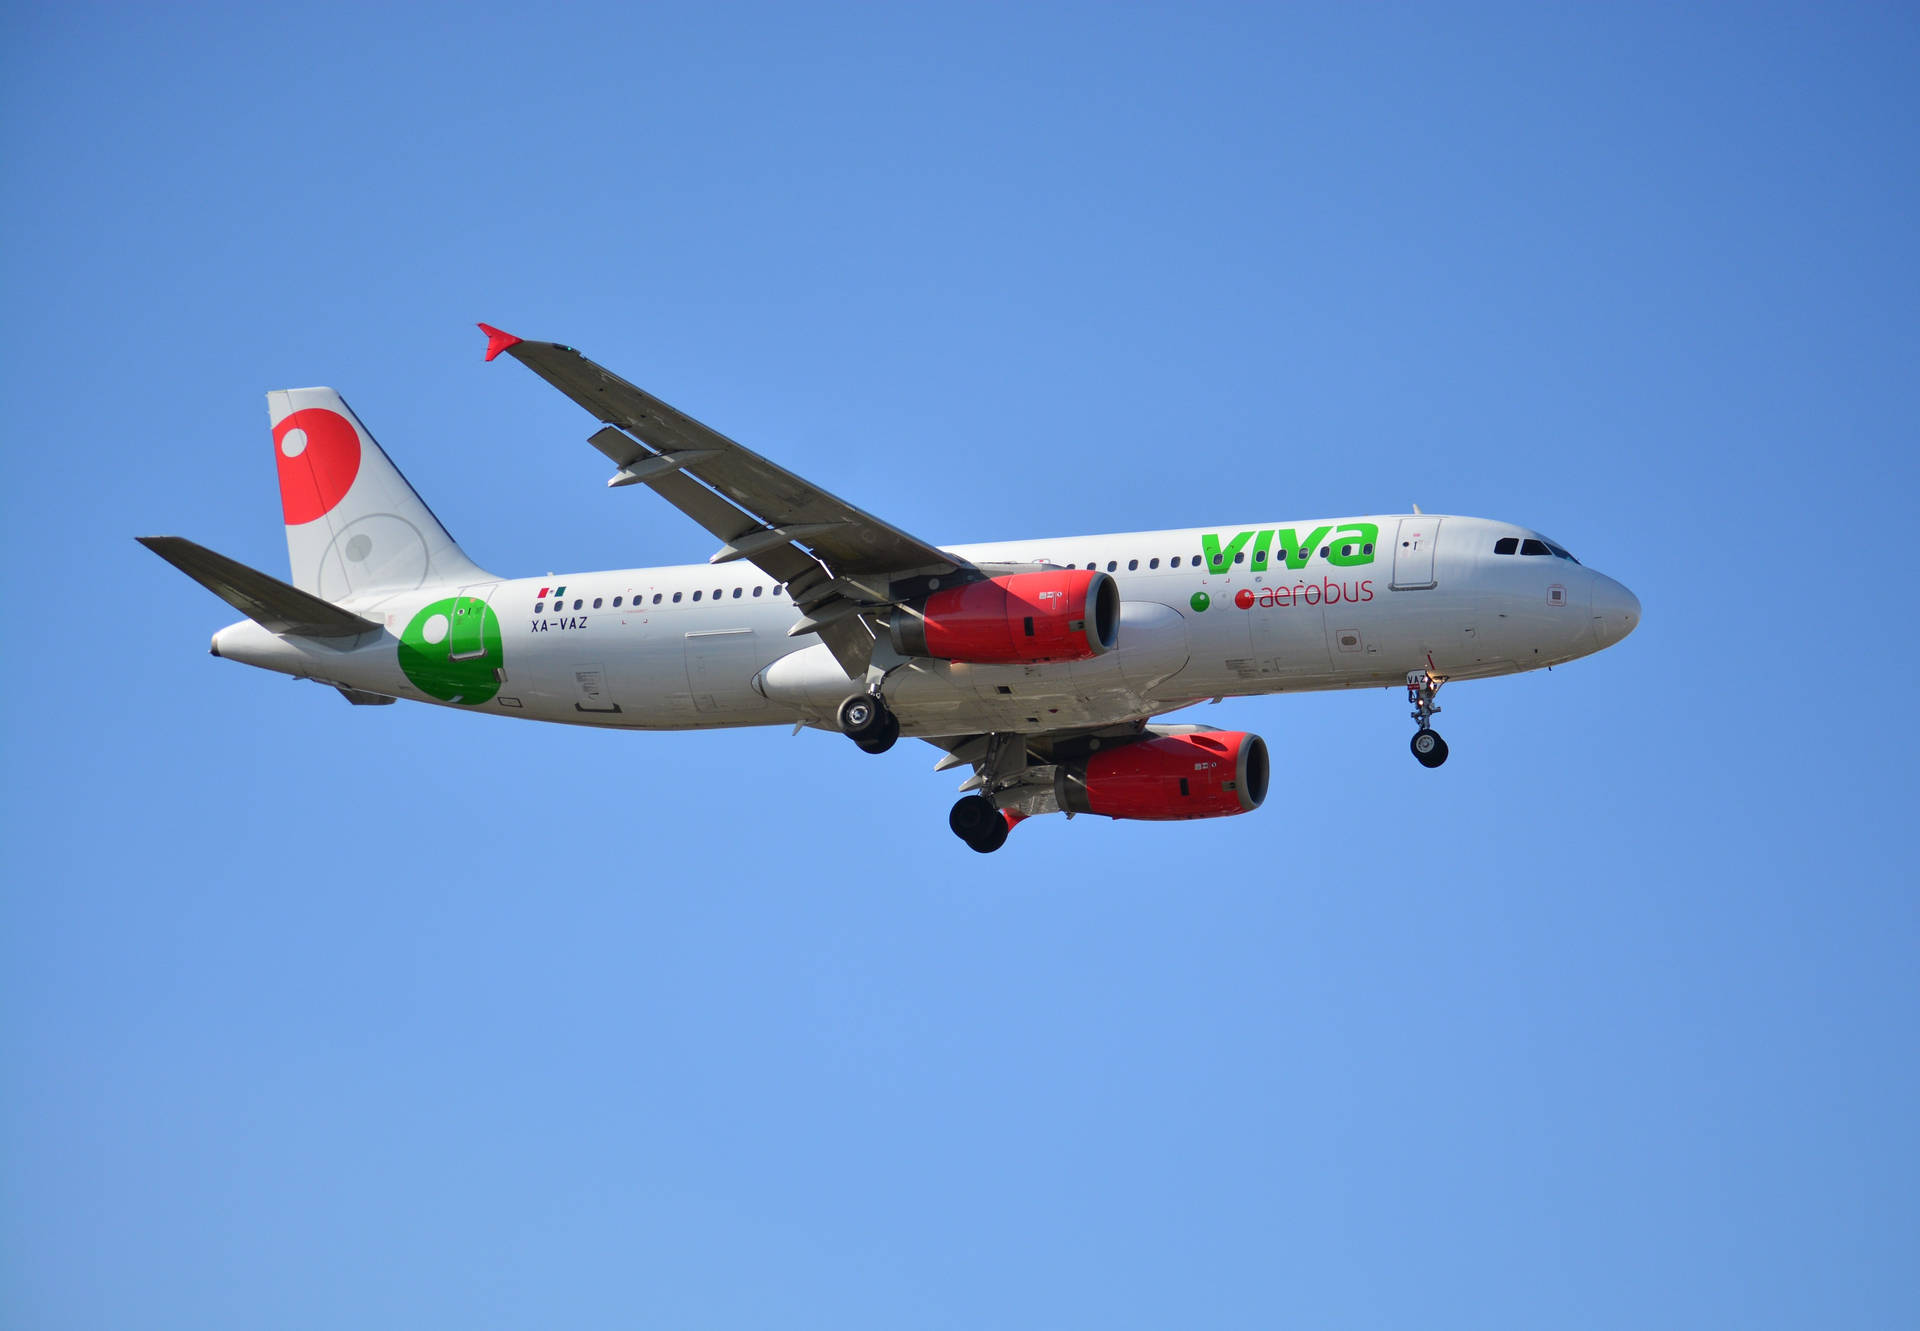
{"x":1616,"y":611}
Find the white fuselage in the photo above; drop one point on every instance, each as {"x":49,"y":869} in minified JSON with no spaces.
{"x":699,"y":646}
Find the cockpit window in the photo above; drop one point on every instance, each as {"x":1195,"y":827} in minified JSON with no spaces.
{"x":1533,"y":547}
{"x":1506,"y":545}
{"x":1560,"y":552}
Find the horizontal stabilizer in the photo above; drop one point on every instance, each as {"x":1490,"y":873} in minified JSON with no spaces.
{"x":265,"y":600}
{"x":361,"y":698}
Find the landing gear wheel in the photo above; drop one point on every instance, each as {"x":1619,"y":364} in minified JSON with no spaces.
{"x":1428,"y":747}
{"x":975,"y":821}
{"x":885,"y":739}
{"x":1422,"y":688}
{"x":866,"y":720}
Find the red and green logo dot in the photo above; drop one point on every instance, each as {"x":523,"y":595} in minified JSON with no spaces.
{"x":1200,"y":601}
{"x":451,"y":651}
{"x":319,"y":455}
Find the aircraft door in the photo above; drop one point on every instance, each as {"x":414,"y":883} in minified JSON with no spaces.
{"x":467,"y":624}
{"x":1413,"y":553}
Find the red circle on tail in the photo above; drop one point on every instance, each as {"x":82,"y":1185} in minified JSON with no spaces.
{"x":317,"y":473}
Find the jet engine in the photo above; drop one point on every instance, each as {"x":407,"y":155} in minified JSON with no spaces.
{"x":1206,"y":774}
{"x":1016,"y":619}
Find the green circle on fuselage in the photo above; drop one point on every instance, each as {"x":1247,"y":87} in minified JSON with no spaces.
{"x":1200,"y":601}
{"x":451,"y":651}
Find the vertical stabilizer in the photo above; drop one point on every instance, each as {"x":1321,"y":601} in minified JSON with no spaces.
{"x":354,"y":525}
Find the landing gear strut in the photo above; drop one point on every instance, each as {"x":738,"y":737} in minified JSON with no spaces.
{"x":1427,"y":745}
{"x":866,"y":719}
{"x":975,"y":821}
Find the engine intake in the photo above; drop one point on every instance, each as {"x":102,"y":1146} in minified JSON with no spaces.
{"x":1015,"y":619}
{"x":1210,"y":774}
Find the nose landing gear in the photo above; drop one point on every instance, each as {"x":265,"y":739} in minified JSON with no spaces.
{"x":866,"y":719}
{"x":1428,"y":748}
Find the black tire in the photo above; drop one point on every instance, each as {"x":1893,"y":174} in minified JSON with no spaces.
{"x":883,"y":741}
{"x":975,"y":821}
{"x":992,"y":836}
{"x":863,"y":716}
{"x":1428,"y":747}
{"x":970,"y":815}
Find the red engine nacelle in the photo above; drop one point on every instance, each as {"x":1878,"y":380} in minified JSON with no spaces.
{"x":1018,"y":619}
{"x":1210,"y":774}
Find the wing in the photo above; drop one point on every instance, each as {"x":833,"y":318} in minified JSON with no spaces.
{"x":838,"y":562}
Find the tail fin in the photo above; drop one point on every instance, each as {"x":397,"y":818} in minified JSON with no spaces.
{"x":353,"y":523}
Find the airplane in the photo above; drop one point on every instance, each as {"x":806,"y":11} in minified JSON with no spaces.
{"x":1041,"y":665}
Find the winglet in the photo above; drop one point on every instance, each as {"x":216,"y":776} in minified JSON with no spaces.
{"x":498,"y":341}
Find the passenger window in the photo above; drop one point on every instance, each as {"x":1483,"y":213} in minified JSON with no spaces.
{"x":656,"y":598}
{"x":1240,"y":556}
{"x":1345,"y":550}
{"x":1367,"y":549}
{"x":1133,"y":566}
{"x":1112,"y":564}
{"x":1153,"y":563}
{"x":596,"y":603}
{"x":1280,"y":552}
{"x":576,"y":603}
{"x":696,"y":596}
{"x":676,"y":598}
{"x":736,"y":593}
{"x":538,"y":606}
{"x":716,"y":593}
{"x":1323,"y":551}
{"x":616,"y":602}
{"x":1533,"y":547}
{"x":758,"y":590}
{"x":1175,"y":563}
{"x":1506,"y":545}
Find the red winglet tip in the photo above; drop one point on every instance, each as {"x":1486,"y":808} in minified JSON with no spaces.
{"x":498,"y":341}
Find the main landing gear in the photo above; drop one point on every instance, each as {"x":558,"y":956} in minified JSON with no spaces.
{"x":866,"y":719}
{"x":975,"y":821}
{"x":1427,"y":745}
{"x":869,"y":722}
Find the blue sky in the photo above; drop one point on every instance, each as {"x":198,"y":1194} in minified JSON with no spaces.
{"x":314,"y":1016}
